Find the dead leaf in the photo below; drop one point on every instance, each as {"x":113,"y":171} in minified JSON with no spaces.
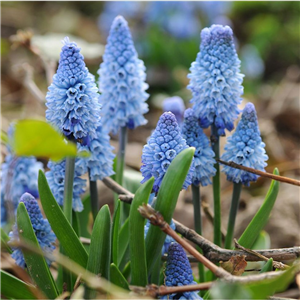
{"x":236,"y":265}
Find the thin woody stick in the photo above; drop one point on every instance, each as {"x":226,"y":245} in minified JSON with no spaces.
{"x":260,"y":173}
{"x":276,"y":264}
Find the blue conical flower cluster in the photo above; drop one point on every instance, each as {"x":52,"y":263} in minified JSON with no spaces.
{"x":121,"y":81}
{"x":162,"y":147}
{"x":100,"y":161}
{"x":72,"y":98}
{"x":176,"y":106}
{"x":19,"y":175}
{"x":41,"y":227}
{"x":178,"y":272}
{"x":204,"y":156}
{"x":245,"y":148}
{"x":56,"y":180}
{"x":215,"y":79}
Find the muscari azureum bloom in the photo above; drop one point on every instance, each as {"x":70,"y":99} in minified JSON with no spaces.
{"x":176,"y":106}
{"x":121,"y":81}
{"x":162,"y":147}
{"x":204,"y":156}
{"x":178,"y":273}
{"x":41,"y":228}
{"x":56,"y":180}
{"x":100,"y":161}
{"x":19,"y":175}
{"x":72,"y":98}
{"x":245,"y":148}
{"x":215,"y":79}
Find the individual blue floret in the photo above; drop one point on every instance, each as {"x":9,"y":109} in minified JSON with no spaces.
{"x":41,"y":227}
{"x":19,"y":175}
{"x":178,"y":273}
{"x":204,"y":156}
{"x":245,"y":148}
{"x":100,"y":161}
{"x":56,"y":180}
{"x":176,"y":106}
{"x":162,"y":147}
{"x":72,"y":98}
{"x":215,"y":79}
{"x":122,"y":81}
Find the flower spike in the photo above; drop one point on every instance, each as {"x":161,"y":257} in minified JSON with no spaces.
{"x":204,"y":156}
{"x":41,"y":227}
{"x":176,"y":106}
{"x":178,"y":272}
{"x":245,"y":148}
{"x":162,"y":147}
{"x":121,"y":81}
{"x":72,"y":98}
{"x":215,"y":79}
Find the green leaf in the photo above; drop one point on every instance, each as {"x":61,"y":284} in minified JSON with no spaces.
{"x":268,"y":287}
{"x":38,"y":138}
{"x":117,"y":278}
{"x":115,"y":234}
{"x":4,"y":240}
{"x":36,"y":264}
{"x":100,"y":249}
{"x":84,"y":217}
{"x":139,"y":274}
{"x":268,"y":266}
{"x":4,"y":137}
{"x":13,"y":287}
{"x":123,"y":243}
{"x":127,"y":270}
{"x":261,"y":217}
{"x":60,"y":225}
{"x":166,"y":201}
{"x":225,"y":290}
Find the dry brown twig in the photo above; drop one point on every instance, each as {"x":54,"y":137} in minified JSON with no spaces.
{"x":260,"y":173}
{"x":210,"y":250}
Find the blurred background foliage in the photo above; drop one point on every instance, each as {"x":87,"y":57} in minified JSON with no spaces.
{"x":167,"y":38}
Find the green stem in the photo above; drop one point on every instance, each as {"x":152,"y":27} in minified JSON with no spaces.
{"x":198,"y":224}
{"x":67,"y":208}
{"x":120,"y":169}
{"x":237,"y":187}
{"x":216,"y":188}
{"x":68,"y":188}
{"x":94,"y":197}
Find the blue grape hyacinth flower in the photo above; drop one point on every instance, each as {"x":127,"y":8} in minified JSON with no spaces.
{"x":178,"y":273}
{"x":41,"y":227}
{"x":72,"y":98}
{"x":100,"y":161}
{"x":176,"y":106}
{"x":122,"y":81}
{"x":19,"y":175}
{"x":245,"y":148}
{"x":162,"y":147}
{"x":215,"y":79}
{"x":204,"y":156}
{"x":56,"y":180}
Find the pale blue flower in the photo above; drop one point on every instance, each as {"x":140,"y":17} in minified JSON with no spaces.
{"x":162,"y":147}
{"x":56,"y":180}
{"x":122,"y":81}
{"x":245,"y":148}
{"x":41,"y":227}
{"x":176,"y":106}
{"x":215,"y":79}
{"x":72,"y":98}
{"x":204,"y":156}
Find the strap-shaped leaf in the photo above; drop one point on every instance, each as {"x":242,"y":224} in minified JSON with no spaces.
{"x":139,"y":274}
{"x":117,"y":278}
{"x":268,"y":266}
{"x":36,"y":264}
{"x":4,"y":240}
{"x":100,"y":248}
{"x":166,"y":201}
{"x":60,"y":225}
{"x":261,"y":218}
{"x":115,"y":234}
{"x":123,"y":244}
{"x":13,"y":287}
